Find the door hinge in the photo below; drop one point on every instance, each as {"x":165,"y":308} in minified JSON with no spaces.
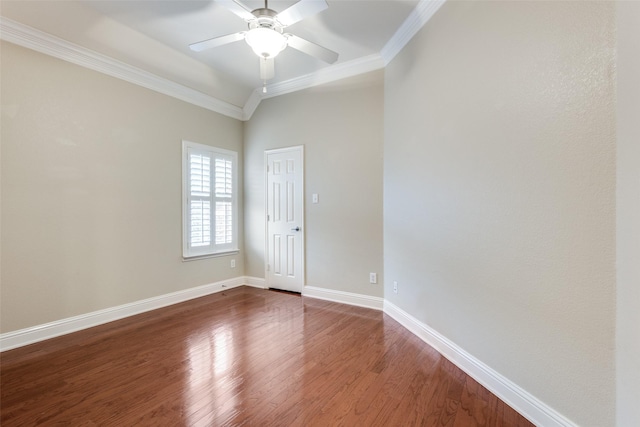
{"x":268,"y":267}
{"x":268,"y":217}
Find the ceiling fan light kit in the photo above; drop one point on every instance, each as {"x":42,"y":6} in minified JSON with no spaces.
{"x":266,"y":42}
{"x":266,"y":36}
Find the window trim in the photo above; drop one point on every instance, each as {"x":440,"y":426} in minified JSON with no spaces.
{"x":212,"y":250}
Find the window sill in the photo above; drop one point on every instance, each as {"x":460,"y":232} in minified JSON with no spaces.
{"x":216,"y":255}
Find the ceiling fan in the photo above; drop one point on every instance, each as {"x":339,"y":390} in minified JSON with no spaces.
{"x":266,"y":34}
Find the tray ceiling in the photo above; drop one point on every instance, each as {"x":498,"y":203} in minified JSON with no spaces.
{"x":154,"y":36}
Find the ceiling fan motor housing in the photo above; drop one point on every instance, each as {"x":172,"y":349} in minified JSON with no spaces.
{"x":265,"y":18}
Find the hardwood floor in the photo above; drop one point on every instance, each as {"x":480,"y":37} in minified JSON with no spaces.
{"x":244,"y":357}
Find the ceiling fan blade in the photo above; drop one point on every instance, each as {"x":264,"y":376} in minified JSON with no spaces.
{"x":238,"y":8}
{"x":312,"y":49}
{"x":217,"y":41}
{"x":267,"y":69}
{"x":300,"y":10}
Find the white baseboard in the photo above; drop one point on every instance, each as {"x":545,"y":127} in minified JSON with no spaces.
{"x":54,"y":329}
{"x":343,"y":297}
{"x":530,"y":407}
{"x":519,"y":399}
{"x":255,"y":282}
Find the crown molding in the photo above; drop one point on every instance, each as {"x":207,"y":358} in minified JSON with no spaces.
{"x":56,"y":47}
{"x":251,"y":104}
{"x":423,"y":11}
{"x":326,"y":75}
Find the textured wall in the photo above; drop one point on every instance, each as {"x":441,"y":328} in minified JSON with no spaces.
{"x":499,"y":166}
{"x":91,"y":190}
{"x":628,"y":214}
{"x":340,"y":126}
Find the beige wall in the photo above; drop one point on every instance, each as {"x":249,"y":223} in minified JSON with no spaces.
{"x":340,"y":126}
{"x":500,"y":192}
{"x":91,"y":190}
{"x":628,"y":215}
{"x":499,"y":178}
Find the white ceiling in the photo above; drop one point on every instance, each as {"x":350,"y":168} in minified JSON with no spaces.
{"x":154,"y":36}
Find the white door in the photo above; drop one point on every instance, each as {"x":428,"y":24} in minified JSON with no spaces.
{"x":285,"y":214}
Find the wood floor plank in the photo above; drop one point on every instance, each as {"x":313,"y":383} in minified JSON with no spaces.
{"x":243,"y":357}
{"x":413,"y":409}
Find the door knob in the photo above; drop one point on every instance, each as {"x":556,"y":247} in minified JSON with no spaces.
{"x":295,"y":229}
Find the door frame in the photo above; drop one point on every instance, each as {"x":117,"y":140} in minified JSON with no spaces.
{"x":266,"y":210}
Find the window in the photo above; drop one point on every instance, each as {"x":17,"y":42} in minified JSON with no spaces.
{"x":209,"y":200}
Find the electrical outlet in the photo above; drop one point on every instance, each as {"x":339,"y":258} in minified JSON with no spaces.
{"x":395,"y":287}
{"x":233,"y":263}
{"x":373,"y":278}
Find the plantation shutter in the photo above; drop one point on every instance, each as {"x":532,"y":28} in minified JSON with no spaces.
{"x":200,"y":199}
{"x":224,"y":200}
{"x":210,"y":200}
